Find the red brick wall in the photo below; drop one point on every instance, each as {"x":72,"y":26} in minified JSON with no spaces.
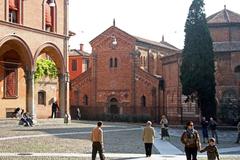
{"x":235,"y":33}
{"x":219,"y":34}
{"x":74,"y":74}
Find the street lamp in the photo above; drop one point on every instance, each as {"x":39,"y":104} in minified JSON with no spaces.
{"x":51,"y":3}
{"x":114,"y":42}
{"x":114,"y":39}
{"x":67,"y":79}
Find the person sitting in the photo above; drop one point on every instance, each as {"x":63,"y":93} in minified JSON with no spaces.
{"x":26,"y":120}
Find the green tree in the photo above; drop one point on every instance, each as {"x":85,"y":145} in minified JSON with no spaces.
{"x":45,"y":68}
{"x":197,"y":69}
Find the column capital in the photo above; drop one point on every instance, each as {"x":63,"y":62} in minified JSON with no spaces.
{"x":29,"y":75}
{"x":64,"y":76}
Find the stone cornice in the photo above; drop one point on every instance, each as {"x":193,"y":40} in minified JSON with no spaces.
{"x":18,"y":26}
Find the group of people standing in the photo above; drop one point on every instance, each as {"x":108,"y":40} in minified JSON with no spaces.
{"x":190,"y":138}
{"x":212,"y":125}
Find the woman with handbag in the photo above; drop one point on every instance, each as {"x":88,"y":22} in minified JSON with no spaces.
{"x":190,"y":138}
{"x":164,"y":127}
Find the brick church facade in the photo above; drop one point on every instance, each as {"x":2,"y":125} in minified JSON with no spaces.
{"x":29,"y":30}
{"x":126,"y":77}
{"x":138,"y":76}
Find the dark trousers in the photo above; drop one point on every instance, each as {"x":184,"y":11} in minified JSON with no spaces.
{"x":164,"y":133}
{"x":148,"y":149}
{"x":97,"y":147}
{"x":214,"y":135}
{"x":205,"y":134}
{"x":238,"y":138}
{"x":54,"y":113}
{"x":191,"y":153}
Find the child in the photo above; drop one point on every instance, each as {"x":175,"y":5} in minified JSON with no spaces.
{"x":212,"y":151}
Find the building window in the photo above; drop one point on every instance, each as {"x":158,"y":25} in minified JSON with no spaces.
{"x":74,"y":65}
{"x":85,"y":64}
{"x":10,"y":82}
{"x":85,"y":100}
{"x":14,"y":11}
{"x":111,"y":63}
{"x":144,"y":62}
{"x":50,"y":18}
{"x":115,"y":62}
{"x":237,"y":72}
{"x":42,"y":97}
{"x":143,"y":101}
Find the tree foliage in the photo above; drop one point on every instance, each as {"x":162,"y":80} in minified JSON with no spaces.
{"x":45,"y":68}
{"x":197,"y":69}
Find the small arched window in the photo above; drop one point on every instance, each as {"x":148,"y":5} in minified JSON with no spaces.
{"x":143,"y":101}
{"x":15,"y":11}
{"x":50,"y":18}
{"x":111,"y":63}
{"x":85,"y":100}
{"x":115,"y":62}
{"x":42,"y":97}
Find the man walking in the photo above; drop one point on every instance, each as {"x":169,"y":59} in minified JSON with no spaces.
{"x":204,"y":124}
{"x":148,"y":138}
{"x":55,"y":108}
{"x":97,"y":141}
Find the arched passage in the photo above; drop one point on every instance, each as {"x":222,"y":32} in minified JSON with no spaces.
{"x":57,"y":87}
{"x":113,"y":106}
{"x":54,"y":52}
{"x":16,"y":62}
{"x":13,"y":42}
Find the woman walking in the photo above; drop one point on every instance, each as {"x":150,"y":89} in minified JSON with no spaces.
{"x":148,"y":138}
{"x":190,"y":138}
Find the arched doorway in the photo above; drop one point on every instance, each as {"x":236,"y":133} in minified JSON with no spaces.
{"x":55,"y":87}
{"x":113,"y":106}
{"x":15,"y":81}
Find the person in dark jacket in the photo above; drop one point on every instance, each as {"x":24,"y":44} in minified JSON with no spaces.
{"x":55,"y":108}
{"x":212,"y":151}
{"x":213,"y":128}
{"x":204,"y":124}
{"x":190,"y":138}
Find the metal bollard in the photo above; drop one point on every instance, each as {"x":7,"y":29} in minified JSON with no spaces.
{"x":67,"y":118}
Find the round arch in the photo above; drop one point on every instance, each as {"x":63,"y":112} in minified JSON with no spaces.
{"x":19,"y":45}
{"x":54,"y":52}
{"x":113,"y":106}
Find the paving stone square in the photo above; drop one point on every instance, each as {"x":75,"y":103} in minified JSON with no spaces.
{"x":55,"y":140}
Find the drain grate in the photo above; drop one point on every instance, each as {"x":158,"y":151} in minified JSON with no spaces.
{"x":24,"y":154}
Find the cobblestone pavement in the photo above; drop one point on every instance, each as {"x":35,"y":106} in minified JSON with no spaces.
{"x":122,"y":141}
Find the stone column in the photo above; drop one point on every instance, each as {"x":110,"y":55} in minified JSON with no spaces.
{"x":62,"y":97}
{"x":29,"y":75}
{"x":67,"y":90}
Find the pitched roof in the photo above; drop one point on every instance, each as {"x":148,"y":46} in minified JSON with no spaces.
{"x":224,"y":16}
{"x":163,"y":44}
{"x":159,"y":44}
{"x":76,"y":52}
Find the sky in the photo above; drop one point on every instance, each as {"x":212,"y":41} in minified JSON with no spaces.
{"x":148,"y":19}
